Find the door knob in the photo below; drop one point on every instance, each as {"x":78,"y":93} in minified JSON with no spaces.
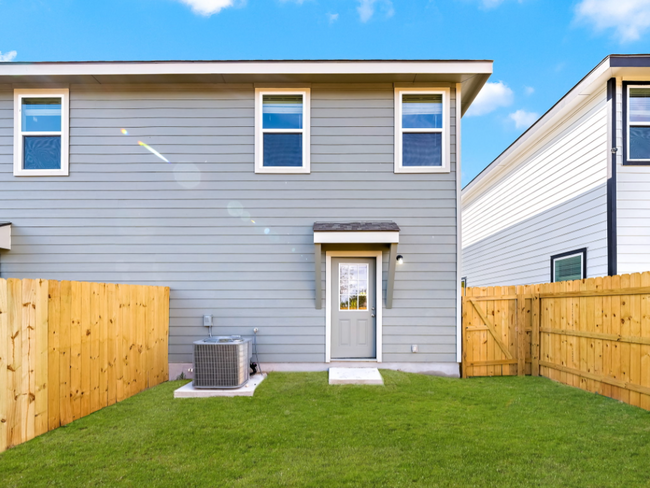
{"x":372,"y":315}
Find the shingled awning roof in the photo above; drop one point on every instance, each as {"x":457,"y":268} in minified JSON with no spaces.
{"x":376,"y":226}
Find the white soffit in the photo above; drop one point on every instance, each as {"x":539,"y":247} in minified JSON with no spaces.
{"x":356,"y":237}
{"x":5,"y":236}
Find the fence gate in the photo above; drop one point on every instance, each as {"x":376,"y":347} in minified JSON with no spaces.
{"x":497,"y":331}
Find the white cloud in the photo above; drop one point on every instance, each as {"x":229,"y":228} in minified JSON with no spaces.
{"x":629,"y":18}
{"x":8,"y":56}
{"x":208,"y":7}
{"x":523,"y":119}
{"x":491,"y":97}
{"x":529,"y":90}
{"x":332,"y":17}
{"x":367,"y":8}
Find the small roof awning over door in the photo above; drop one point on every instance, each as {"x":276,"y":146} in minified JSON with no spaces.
{"x":380,"y":232}
{"x":377,"y":232}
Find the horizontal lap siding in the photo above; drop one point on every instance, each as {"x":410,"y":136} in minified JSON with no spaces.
{"x":553,"y":201}
{"x":524,"y":249}
{"x":123,"y":215}
{"x":633,"y":218}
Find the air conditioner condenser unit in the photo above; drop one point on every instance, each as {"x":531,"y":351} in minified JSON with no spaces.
{"x":222,"y":362}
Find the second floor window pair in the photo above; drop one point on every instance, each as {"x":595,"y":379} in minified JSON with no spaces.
{"x":282,"y":128}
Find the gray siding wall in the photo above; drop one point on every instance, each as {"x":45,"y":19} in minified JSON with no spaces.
{"x":227,"y":241}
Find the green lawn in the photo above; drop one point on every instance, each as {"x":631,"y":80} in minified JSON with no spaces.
{"x":298,"y":431}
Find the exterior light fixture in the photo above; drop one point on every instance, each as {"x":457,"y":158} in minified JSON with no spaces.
{"x":400,"y":259}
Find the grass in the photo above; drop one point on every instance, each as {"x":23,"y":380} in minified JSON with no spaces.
{"x":298,"y":431}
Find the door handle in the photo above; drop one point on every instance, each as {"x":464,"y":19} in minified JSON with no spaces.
{"x":372,"y":315}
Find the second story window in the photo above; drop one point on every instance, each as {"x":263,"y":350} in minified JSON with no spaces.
{"x":421,"y":130}
{"x":41,"y":132}
{"x":638,"y":125}
{"x":282,"y":131}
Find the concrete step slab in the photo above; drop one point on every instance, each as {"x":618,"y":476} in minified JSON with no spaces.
{"x":355,"y":376}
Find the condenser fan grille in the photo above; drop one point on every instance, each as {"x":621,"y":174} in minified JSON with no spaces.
{"x":221,"y":365}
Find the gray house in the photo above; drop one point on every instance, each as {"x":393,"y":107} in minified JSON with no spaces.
{"x":317,"y":201}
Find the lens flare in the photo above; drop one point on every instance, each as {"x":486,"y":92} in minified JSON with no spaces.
{"x":153,"y":151}
{"x":252,"y":221}
{"x":125,"y":132}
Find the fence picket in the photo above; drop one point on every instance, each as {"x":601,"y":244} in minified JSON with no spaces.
{"x":572,"y":332}
{"x":63,"y":349}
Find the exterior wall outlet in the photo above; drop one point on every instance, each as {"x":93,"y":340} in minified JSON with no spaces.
{"x":207,"y":321}
{"x":414,"y":348}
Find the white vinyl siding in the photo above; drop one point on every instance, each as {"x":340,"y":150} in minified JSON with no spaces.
{"x":551,"y":200}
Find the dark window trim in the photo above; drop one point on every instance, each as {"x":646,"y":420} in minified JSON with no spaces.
{"x":644,"y":162}
{"x":582,"y":251}
{"x":612,"y":246}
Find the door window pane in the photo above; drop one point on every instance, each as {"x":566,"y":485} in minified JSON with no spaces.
{"x":639,"y":143}
{"x":422,"y":111}
{"x":41,"y":114}
{"x":363,"y":302}
{"x":568,"y":269}
{"x":282,"y":149}
{"x":353,"y":290}
{"x":422,"y":149}
{"x":639,"y":104}
{"x":42,"y":152}
{"x":282,"y":111}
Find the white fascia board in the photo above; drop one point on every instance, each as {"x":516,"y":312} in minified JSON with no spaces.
{"x":244,"y":67}
{"x":548,"y":121}
{"x":5,"y":237}
{"x":356,"y":237}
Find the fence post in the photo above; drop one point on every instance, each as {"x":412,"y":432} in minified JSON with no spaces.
{"x":536,"y":320}
{"x":463,"y":337}
{"x":521,"y":332}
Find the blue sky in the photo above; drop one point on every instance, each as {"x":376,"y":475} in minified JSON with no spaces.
{"x":540,"y":48}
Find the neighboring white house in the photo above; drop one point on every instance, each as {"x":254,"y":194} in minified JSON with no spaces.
{"x":571,"y":197}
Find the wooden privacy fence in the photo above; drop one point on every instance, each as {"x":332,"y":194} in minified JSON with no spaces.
{"x":68,"y":349}
{"x":593,"y":334}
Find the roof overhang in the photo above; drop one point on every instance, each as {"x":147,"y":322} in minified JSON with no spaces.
{"x":615,"y":65}
{"x":471,"y":73}
{"x":5,"y":235}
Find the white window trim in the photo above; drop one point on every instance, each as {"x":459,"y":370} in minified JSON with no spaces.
{"x":64,"y":95}
{"x":446,"y":120}
{"x":379,"y":300}
{"x":582,"y":264}
{"x":259,"y":131}
{"x":628,"y":125}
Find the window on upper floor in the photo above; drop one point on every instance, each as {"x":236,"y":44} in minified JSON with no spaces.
{"x":637,"y":124}
{"x":282,"y":131}
{"x":569,"y":266}
{"x":41,"y":132}
{"x":422,"y":130}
